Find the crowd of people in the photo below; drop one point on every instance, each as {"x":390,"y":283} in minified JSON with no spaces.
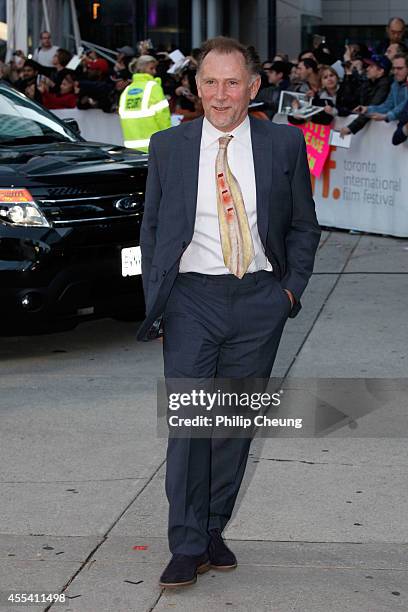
{"x":371,"y":83}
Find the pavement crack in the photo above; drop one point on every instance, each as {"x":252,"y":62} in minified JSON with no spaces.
{"x":323,"y":242}
{"x":328,"y":296}
{"x":156,"y":601}
{"x":301,"y":461}
{"x":106,"y":534}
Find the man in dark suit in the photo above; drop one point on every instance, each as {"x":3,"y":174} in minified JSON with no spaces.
{"x":228,"y":241}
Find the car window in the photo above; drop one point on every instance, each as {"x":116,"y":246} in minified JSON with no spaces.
{"x":20,"y":118}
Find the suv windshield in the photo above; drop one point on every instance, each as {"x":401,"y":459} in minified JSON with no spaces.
{"x":25,"y":122}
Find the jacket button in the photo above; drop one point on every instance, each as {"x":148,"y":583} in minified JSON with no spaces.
{"x":164,"y":273}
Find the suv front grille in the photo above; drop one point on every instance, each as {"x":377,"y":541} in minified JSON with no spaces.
{"x":67,"y":210}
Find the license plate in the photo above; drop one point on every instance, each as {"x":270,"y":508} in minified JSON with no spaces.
{"x":131,"y":261}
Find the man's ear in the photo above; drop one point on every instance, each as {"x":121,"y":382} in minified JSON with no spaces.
{"x":254,"y":87}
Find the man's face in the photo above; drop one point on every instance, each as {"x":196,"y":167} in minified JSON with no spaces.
{"x":392,"y":51}
{"x":302,"y":71}
{"x":400,"y":69}
{"x":396,"y":31}
{"x":226,"y":87}
{"x":29,"y":72}
{"x":374,"y":72}
{"x":274,"y":78}
{"x":46,"y":40}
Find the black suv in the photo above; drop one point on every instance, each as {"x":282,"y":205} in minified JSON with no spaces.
{"x":70,"y":215}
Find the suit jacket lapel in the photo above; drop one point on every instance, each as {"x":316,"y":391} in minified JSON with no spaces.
{"x":190,"y":156}
{"x":263,"y":164}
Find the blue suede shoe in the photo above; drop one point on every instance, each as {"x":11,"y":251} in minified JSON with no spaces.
{"x":221,"y":557}
{"x":183,"y":569}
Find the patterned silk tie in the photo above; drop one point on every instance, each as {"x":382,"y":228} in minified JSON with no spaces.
{"x":236,"y":238}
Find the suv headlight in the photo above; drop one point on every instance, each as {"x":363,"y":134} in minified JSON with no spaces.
{"x":17,"y":207}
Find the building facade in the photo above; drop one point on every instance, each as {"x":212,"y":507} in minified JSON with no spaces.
{"x":268,"y":25}
{"x":359,"y":20}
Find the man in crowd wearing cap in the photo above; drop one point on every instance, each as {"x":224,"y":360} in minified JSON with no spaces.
{"x":396,"y":99}
{"x":373,"y":91}
{"x":143,"y":107}
{"x":278,"y":79}
{"x":121,"y":66}
{"x":126,"y":51}
{"x":95,"y":87}
{"x":121,"y":76}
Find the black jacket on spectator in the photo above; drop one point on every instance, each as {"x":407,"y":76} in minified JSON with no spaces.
{"x":99,"y":91}
{"x":399,"y":137}
{"x":270,"y":96}
{"x":348,"y":96}
{"x":371,"y":92}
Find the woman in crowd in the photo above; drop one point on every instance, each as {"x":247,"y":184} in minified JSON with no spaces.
{"x":323,"y":94}
{"x":66,"y":98}
{"x":328,"y":92}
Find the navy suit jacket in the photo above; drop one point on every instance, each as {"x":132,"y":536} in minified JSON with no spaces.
{"x":286,"y":216}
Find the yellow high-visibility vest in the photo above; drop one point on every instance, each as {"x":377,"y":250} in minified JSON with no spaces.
{"x":143,"y":110}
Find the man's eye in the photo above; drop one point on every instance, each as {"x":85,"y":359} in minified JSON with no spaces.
{"x":233,"y":82}
{"x":209,"y":82}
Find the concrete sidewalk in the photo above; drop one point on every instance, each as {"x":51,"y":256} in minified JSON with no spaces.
{"x":321,"y":524}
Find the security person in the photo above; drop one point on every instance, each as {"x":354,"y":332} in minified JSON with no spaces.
{"x":143,"y":107}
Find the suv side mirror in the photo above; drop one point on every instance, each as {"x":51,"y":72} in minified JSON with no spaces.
{"x":73,"y":125}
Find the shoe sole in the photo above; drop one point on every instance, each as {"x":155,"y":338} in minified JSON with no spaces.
{"x":224,"y":568}
{"x":201,"y":569}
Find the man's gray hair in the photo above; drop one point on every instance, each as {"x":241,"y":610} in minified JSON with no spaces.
{"x":139,"y":63}
{"x":225,"y":45}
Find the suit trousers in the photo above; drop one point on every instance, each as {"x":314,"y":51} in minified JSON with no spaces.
{"x":215,"y":326}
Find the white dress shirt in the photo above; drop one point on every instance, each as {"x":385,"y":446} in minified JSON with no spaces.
{"x":204,"y":253}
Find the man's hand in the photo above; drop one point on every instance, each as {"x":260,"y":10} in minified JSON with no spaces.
{"x":344,"y":131}
{"x":360,"y":109}
{"x":378,"y":117}
{"x":42,"y":87}
{"x":290,"y":296}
